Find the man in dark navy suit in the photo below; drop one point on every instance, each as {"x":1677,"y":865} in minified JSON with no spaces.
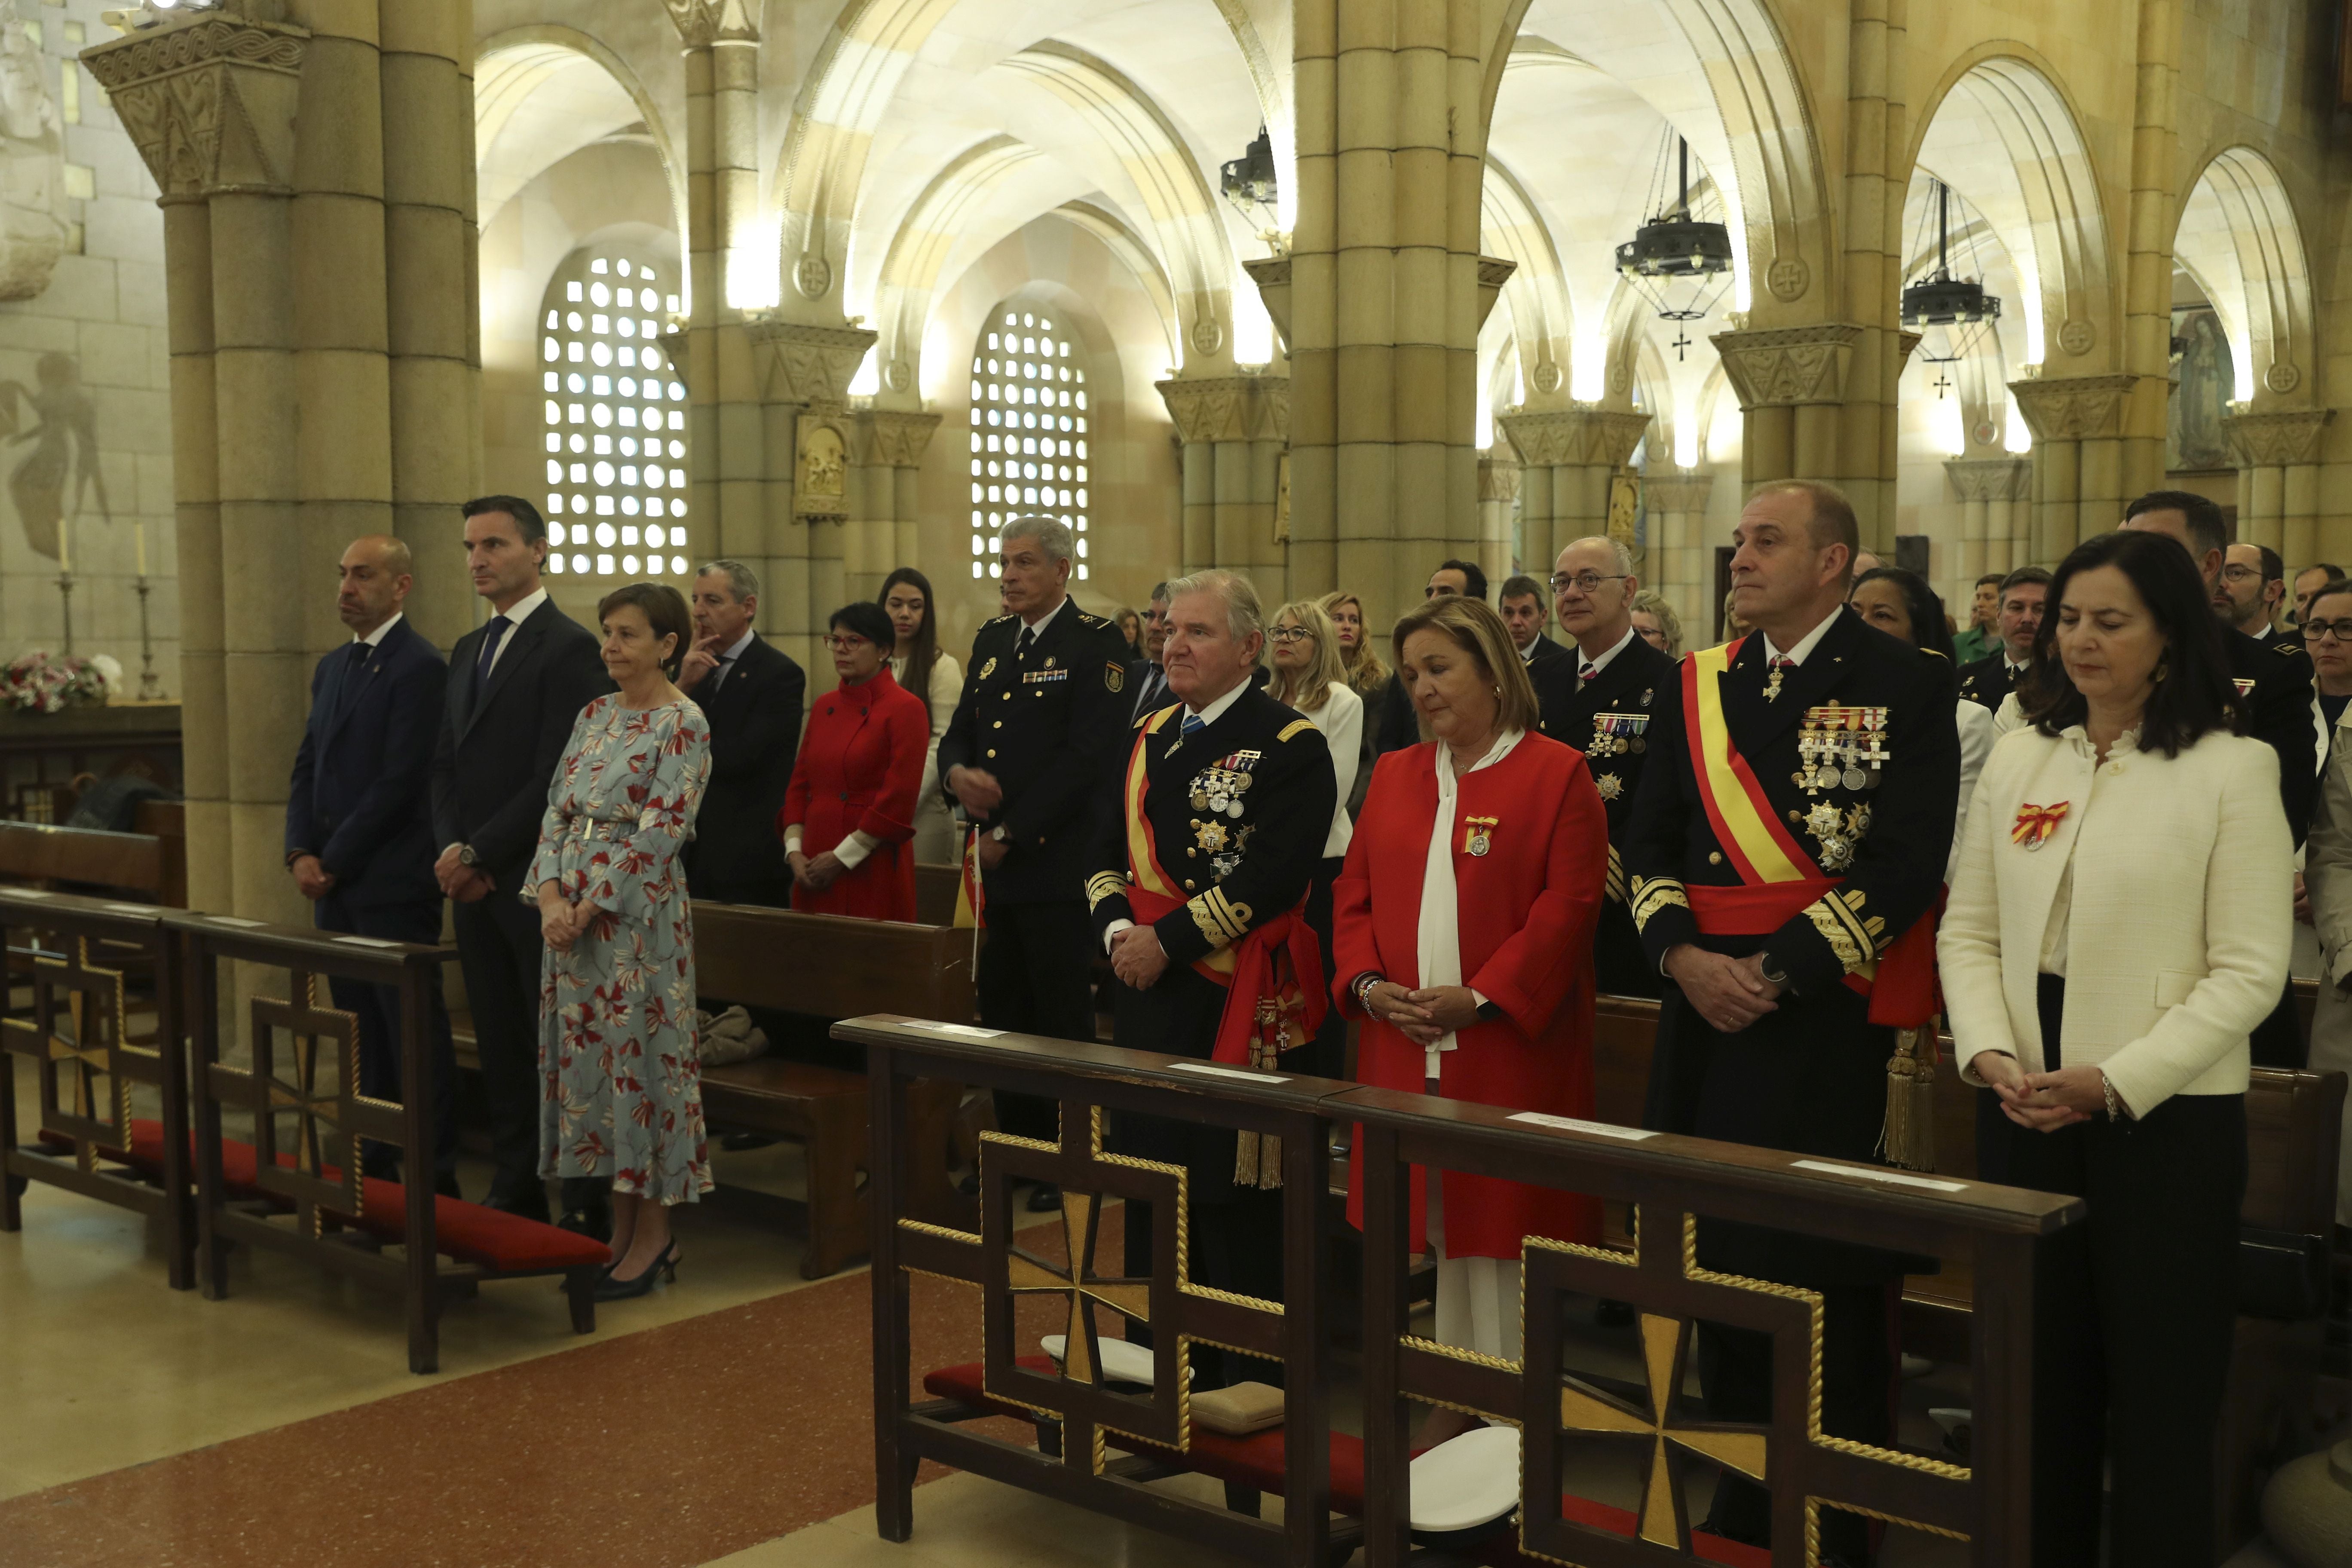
{"x":359,"y":828}
{"x":1526,"y":610}
{"x":751,"y":694}
{"x":516,"y":684}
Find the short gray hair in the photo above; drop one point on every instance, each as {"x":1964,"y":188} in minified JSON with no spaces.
{"x":741,"y":581}
{"x":1243,"y":615}
{"x":1619,"y":551}
{"x":1053,"y":536}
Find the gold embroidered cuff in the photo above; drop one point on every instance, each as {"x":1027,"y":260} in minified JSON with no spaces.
{"x":1616,"y":883}
{"x":1851,"y":935}
{"x":1652,"y":894}
{"x":1104,"y":885}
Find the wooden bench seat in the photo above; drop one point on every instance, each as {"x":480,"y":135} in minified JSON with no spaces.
{"x":152,"y":865}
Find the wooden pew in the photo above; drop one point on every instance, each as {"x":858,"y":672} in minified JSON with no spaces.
{"x":40,"y":856}
{"x":831,"y":967}
{"x":935,"y":894}
{"x":2293,"y":1124}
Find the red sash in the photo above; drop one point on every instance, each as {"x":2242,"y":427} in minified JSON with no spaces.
{"x":1273,"y":976}
{"x":1779,"y":879}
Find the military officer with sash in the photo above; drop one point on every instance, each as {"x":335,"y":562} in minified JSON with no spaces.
{"x":1198,"y":894}
{"x":1792,"y":831}
{"x":1037,"y":729}
{"x":1601,"y":702}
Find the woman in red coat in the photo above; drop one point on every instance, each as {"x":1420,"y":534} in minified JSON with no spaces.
{"x":1465,"y":920}
{"x":848,"y":820}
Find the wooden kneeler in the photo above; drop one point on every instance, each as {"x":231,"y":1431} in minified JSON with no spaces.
{"x":72,"y":952}
{"x":1079,"y":1416}
{"x":305,"y":1194}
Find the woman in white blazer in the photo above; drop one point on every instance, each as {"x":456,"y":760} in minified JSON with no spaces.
{"x":920,"y":665}
{"x":2115,"y":931}
{"x":1901,"y":604}
{"x":1310,"y":674}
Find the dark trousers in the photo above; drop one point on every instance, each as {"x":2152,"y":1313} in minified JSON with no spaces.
{"x":1231,"y":1246}
{"x":1035,"y":978}
{"x":2134,"y":1311}
{"x":2278,"y":1040}
{"x":499,"y":945}
{"x":1735,"y":1372}
{"x":377,"y":1009}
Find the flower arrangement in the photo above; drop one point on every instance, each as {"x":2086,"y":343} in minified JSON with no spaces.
{"x":43,"y":682}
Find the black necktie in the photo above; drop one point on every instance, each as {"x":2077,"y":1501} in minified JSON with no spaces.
{"x":355,"y":666}
{"x":493,"y":635}
{"x":719,"y":675}
{"x":1028,"y":638}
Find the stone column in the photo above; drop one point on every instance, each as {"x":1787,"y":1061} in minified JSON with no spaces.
{"x":1870,"y":280}
{"x":1680,"y":565}
{"x":891,"y":541}
{"x":1792,"y":382}
{"x":1579,"y":449}
{"x":2154,"y":215}
{"x":1499,"y":544}
{"x":210,"y":100}
{"x":2278,"y":479}
{"x":1989,"y":490}
{"x":1386,"y":290}
{"x":430,"y":278}
{"x":2078,"y":460}
{"x":1233,"y":431}
{"x":791,"y":532}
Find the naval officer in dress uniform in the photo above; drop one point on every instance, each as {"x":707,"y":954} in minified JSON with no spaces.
{"x":1044,"y":712}
{"x":1836,"y":833}
{"x":2016,"y":621}
{"x":1601,"y":700}
{"x":1198,"y":893}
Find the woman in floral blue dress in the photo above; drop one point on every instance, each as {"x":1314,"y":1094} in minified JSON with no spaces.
{"x":622,"y":1095}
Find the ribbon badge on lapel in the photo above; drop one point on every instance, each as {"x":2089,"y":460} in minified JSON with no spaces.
{"x":1477,"y":834}
{"x":2035,"y":824}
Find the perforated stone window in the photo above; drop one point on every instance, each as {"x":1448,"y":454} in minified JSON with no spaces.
{"x":1029,"y":421}
{"x":614,"y":420}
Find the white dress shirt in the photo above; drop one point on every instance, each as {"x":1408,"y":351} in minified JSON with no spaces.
{"x":375,"y":638}
{"x":1209,"y":715}
{"x":1805,"y":644}
{"x":515,"y":615}
{"x":728,"y":658}
{"x":1597,"y":664}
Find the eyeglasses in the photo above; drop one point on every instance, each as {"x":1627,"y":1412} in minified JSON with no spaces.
{"x":2243,"y":574}
{"x":847,"y":644}
{"x":1584,"y":582}
{"x":2315,"y":630}
{"x":1290,"y":634}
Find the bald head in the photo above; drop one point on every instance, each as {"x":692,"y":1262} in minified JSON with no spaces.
{"x":376,"y":578}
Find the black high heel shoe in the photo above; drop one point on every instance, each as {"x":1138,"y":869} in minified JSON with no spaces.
{"x":664,"y":1265}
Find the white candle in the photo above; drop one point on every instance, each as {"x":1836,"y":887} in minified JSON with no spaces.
{"x":138,"y":533}
{"x":64,"y":548}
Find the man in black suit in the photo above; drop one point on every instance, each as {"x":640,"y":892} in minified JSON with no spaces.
{"x":359,"y":823}
{"x":1148,"y":675}
{"x":1400,"y":726}
{"x":2017,"y":616}
{"x":1042,"y":717}
{"x":517,"y":682}
{"x":1205,"y":889}
{"x":2273,"y":680}
{"x":1601,"y":700}
{"x":1526,"y":609}
{"x":1833,"y":846}
{"x":751,"y":694}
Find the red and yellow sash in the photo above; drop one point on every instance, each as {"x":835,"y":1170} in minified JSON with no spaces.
{"x":1273,"y":975}
{"x":1780,"y":879}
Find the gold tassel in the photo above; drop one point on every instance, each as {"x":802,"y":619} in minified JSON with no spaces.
{"x":1909,"y":1137}
{"x":1257,"y":1156}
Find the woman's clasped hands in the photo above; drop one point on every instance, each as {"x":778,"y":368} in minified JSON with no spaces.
{"x":2043,"y":1101}
{"x":1424,"y":1017}
{"x":562,"y":922}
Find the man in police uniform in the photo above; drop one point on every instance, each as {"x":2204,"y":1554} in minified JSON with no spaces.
{"x":1217,"y":830}
{"x":1600,"y":700}
{"x":2273,"y":678}
{"x":2023,"y":599}
{"x":1833,"y":848}
{"x":1042,"y":718}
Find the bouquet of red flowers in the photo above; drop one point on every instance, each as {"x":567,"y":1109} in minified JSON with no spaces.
{"x":43,"y":682}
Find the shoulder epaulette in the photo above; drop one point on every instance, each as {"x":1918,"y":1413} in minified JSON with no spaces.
{"x":1086,"y":620}
{"x":1294,"y":727}
{"x":998,"y":620}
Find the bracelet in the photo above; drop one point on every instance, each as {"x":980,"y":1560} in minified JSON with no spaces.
{"x":1364,"y":994}
{"x":2114,"y":1112}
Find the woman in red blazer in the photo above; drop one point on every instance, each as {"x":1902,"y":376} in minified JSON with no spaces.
{"x":1464,"y":941}
{"x":848,"y":820}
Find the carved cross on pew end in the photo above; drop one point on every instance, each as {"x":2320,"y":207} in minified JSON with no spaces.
{"x":1665,"y":1346}
{"x":76,"y":1035}
{"x":1078,"y":1279}
{"x":320,"y":1095}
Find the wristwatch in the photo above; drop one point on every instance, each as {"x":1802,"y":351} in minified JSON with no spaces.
{"x":465,"y":856}
{"x":999,"y":835}
{"x":1764,"y":967}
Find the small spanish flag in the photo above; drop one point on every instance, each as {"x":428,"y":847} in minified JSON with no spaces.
{"x":971,"y":900}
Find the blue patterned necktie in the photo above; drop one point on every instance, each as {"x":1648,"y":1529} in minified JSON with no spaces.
{"x":1193,"y":725}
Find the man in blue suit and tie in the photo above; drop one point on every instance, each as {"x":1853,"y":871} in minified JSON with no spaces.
{"x":359,"y":821}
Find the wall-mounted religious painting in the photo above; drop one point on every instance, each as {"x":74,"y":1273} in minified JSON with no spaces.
{"x":2193,"y":436}
{"x":61,"y":422}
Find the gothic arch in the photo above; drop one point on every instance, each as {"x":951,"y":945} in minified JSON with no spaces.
{"x":913,"y":269}
{"x":1543,"y":316}
{"x":544,"y":91}
{"x":2239,"y":237}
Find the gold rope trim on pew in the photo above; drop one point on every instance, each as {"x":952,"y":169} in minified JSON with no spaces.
{"x":1814,"y":1504}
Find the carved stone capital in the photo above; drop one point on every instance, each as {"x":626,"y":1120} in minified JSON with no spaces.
{"x":808,"y":365}
{"x":1271,"y":275}
{"x":1498,"y":476}
{"x":2276,"y":440}
{"x":1990,"y":479}
{"x":1228,"y":407}
{"x":1582,"y":433}
{"x":209,"y":102}
{"x":1783,"y":367}
{"x":703,"y":23}
{"x":1675,"y":491}
{"x":899,"y":437}
{"x":2074,"y":407}
{"x":1493,"y":271}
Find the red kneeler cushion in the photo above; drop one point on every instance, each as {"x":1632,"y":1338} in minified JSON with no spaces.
{"x":487,"y":1239}
{"x":1257,"y":1461}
